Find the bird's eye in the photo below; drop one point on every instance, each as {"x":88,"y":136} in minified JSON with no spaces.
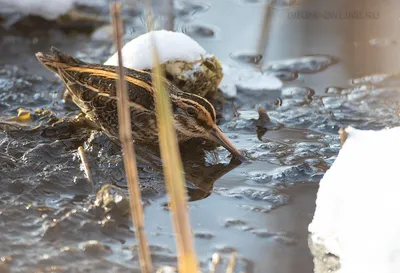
{"x":190,"y":111}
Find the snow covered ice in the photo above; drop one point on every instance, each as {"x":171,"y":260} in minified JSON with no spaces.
{"x":358,"y":203}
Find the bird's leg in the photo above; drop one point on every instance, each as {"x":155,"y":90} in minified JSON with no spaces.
{"x":67,"y":97}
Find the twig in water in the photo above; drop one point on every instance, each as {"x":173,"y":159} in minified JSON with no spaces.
{"x":81,"y":153}
{"x":343,"y":136}
{"x":125,"y":132}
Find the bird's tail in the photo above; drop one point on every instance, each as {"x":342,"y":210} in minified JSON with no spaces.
{"x":57,"y":60}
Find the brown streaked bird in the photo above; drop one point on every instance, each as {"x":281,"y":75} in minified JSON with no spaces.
{"x":93,"y":90}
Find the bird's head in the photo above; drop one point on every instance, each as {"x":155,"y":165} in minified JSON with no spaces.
{"x":195,"y":117}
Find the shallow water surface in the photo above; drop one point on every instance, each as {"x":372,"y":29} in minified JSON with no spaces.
{"x":48,"y":218}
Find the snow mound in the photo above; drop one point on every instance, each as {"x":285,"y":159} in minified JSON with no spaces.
{"x":356,"y":217}
{"x":171,"y":46}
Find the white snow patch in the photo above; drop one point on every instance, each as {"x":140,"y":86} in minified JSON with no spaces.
{"x":250,"y":79}
{"x":370,"y":79}
{"x":48,"y":9}
{"x":248,"y":114}
{"x":357,"y":213}
{"x":171,"y":46}
{"x":228,"y":87}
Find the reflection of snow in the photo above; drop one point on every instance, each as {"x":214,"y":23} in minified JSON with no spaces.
{"x":370,"y":79}
{"x":357,"y":210}
{"x":306,"y":64}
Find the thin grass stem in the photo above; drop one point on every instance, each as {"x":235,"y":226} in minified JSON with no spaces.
{"x":173,"y":170}
{"x":264,"y":33}
{"x":232,"y":263}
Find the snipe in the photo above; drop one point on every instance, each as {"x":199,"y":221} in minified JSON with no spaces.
{"x":93,"y":88}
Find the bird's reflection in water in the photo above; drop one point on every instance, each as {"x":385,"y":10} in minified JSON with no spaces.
{"x":200,"y":172}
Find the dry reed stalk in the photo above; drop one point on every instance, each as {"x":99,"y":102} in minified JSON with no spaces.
{"x":149,"y":17}
{"x":81,"y":153}
{"x":232,"y":263}
{"x":170,"y":13}
{"x":264,"y":32}
{"x":173,"y":171}
{"x":173,"y":174}
{"x":125,"y":132}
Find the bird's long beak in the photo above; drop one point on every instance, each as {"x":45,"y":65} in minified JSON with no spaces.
{"x":217,"y":136}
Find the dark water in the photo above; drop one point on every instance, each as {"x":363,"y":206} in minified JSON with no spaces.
{"x":48,"y":218}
